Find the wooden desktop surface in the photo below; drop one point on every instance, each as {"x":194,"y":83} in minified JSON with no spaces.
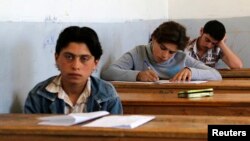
{"x":230,"y":104}
{"x":222,"y":86}
{"x":21,"y":127}
{"x":243,"y":73}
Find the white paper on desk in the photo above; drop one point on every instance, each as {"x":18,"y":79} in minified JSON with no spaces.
{"x":71,"y":119}
{"x":134,"y":82}
{"x":162,"y":82}
{"x":191,"y":82}
{"x":119,"y":121}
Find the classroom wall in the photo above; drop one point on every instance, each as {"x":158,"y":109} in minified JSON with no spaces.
{"x":29,"y":30}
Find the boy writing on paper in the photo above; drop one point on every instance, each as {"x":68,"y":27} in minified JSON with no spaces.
{"x":210,"y":46}
{"x":162,"y":58}
{"x":74,"y":90}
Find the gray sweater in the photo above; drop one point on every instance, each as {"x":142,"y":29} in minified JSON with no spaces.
{"x":131,"y":63}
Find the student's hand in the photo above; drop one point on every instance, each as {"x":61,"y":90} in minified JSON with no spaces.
{"x":183,"y":75}
{"x":147,"y":76}
{"x":222,"y":42}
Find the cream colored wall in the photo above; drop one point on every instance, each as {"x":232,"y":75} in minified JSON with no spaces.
{"x":203,"y":9}
{"x":82,"y":10}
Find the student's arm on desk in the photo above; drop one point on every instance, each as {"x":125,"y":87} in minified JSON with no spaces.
{"x":200,"y":71}
{"x":121,"y":70}
{"x":115,"y":73}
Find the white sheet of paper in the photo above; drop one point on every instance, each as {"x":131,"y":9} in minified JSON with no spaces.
{"x":163,"y":82}
{"x":70,"y":119}
{"x":133,"y":82}
{"x":191,"y":82}
{"x":120,"y":121}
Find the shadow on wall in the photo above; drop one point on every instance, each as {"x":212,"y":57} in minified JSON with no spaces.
{"x":23,"y":73}
{"x":16,"y":106}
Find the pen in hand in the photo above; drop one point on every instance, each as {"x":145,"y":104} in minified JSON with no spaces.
{"x":151,"y":74}
{"x":146,"y":63}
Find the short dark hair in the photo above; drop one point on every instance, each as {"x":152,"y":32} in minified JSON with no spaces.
{"x":215,"y":29}
{"x":80,"y":35}
{"x":171,"y":32}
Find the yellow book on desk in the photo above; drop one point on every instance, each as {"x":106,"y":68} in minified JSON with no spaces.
{"x":196,"y":93}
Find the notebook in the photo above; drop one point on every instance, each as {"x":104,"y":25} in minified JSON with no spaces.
{"x":196,"y":93}
{"x":70,"y":119}
{"x":120,"y":121}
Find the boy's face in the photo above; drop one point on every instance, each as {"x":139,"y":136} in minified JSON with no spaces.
{"x":207,"y":41}
{"x":76,"y":63}
{"x":164,"y":51}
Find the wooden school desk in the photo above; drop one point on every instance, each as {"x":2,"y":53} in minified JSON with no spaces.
{"x":243,"y":73}
{"x":230,"y":104}
{"x":222,"y":86}
{"x":20,"y":127}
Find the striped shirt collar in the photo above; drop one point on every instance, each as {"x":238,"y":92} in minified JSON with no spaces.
{"x":56,"y":87}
